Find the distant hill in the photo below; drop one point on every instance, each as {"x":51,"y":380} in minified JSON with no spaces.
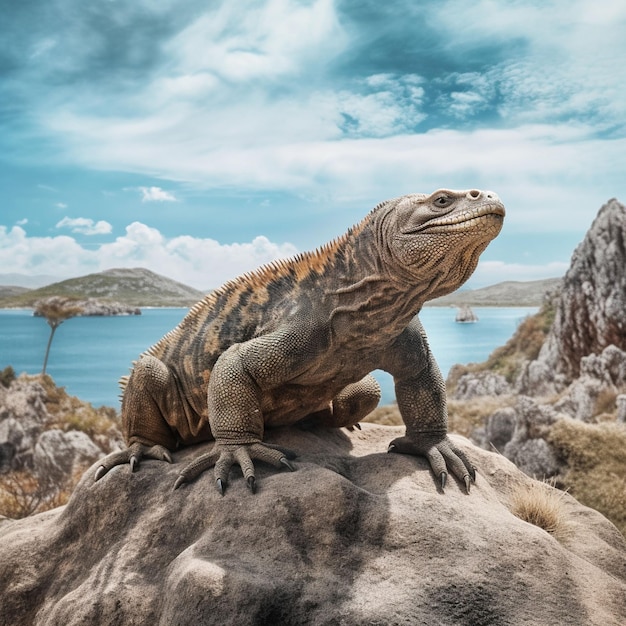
{"x":508,"y":293}
{"x":136,"y":287}
{"x":140,"y":287}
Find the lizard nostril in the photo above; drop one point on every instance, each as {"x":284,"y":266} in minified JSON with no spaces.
{"x":474,"y":193}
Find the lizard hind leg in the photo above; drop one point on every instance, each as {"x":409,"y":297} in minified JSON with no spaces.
{"x":150,"y":391}
{"x":351,"y":404}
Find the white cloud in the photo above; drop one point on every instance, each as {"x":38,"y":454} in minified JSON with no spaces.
{"x":201,"y":263}
{"x":85,"y":226}
{"x":156,"y":194}
{"x":249,"y":41}
{"x":61,"y":205}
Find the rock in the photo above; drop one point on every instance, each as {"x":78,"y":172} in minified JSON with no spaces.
{"x":60,"y":454}
{"x":354,"y":536}
{"x":498,"y":430}
{"x":591,"y":310}
{"x":620,"y":401}
{"x":51,"y":444}
{"x":484,"y":383}
{"x":519,"y":434}
{"x":23,"y":416}
{"x":465,"y":314}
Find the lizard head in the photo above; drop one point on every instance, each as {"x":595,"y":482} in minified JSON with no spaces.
{"x":437,"y":239}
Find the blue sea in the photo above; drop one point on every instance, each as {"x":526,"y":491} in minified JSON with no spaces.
{"x":90,"y":354}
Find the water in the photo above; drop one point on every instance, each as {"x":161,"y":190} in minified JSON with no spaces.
{"x":90,"y":354}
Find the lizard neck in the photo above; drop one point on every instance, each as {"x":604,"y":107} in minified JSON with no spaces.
{"x":362,"y":297}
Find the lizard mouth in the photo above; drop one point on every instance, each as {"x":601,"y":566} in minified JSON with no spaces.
{"x":486,"y":215}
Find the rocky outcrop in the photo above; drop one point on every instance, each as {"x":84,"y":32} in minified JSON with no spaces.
{"x":51,"y":435}
{"x":591,"y":309}
{"x":484,"y":383}
{"x":92,"y":307}
{"x":353,"y":536}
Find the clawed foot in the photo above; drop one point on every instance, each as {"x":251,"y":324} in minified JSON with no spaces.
{"x":224,"y":456}
{"x":132,"y":455}
{"x":441,"y":454}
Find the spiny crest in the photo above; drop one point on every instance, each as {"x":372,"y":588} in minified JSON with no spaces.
{"x":302,"y":265}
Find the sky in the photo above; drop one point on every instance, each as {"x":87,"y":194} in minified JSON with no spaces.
{"x":200,"y":139}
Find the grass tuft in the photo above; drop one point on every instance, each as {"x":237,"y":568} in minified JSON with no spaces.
{"x":541,"y":505}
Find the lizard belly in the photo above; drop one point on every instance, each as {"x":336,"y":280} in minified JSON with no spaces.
{"x":290,"y":403}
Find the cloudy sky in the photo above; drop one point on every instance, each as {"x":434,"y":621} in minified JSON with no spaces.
{"x":200,"y":139}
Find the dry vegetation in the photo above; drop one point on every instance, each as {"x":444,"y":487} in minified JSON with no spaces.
{"x":71,"y":413}
{"x":22,"y":492}
{"x":542,"y":505}
{"x":596,"y":461}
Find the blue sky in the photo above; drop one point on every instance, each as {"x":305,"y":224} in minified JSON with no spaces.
{"x":200,"y":139}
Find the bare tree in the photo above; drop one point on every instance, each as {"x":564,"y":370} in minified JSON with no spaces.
{"x":56,"y":310}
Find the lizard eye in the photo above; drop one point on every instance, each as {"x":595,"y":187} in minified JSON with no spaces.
{"x":443,"y":201}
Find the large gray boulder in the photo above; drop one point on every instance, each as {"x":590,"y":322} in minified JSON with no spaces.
{"x":354,"y":536}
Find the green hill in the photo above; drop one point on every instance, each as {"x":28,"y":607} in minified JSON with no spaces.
{"x":134,"y":287}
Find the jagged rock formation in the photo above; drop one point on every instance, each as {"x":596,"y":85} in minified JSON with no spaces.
{"x":465,"y":314}
{"x":39,"y":431}
{"x":354,"y":536}
{"x":591,"y":309}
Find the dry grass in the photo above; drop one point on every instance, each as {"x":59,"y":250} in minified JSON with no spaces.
{"x":23,"y":494}
{"x":596,"y":465}
{"x":466,"y":415}
{"x":541,"y":504}
{"x":71,"y":413}
{"x":387,"y":415}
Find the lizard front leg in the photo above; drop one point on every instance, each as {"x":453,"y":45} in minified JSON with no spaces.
{"x":421,"y":396}
{"x":234,"y":406}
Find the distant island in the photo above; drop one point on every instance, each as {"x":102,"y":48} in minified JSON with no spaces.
{"x":508,"y":293}
{"x":139,"y":287}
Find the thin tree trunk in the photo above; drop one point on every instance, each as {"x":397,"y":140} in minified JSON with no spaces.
{"x":45,"y":361}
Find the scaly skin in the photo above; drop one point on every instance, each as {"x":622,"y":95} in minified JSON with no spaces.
{"x":296,"y":341}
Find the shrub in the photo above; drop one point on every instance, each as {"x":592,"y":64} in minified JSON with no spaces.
{"x":7,"y":376}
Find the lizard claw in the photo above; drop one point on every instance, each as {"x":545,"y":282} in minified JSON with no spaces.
{"x":133,"y":456}
{"x":223,"y":456}
{"x":252,"y":483}
{"x":442,"y":454}
{"x":467,"y":481}
{"x":287,"y":464}
{"x":181,"y":480}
